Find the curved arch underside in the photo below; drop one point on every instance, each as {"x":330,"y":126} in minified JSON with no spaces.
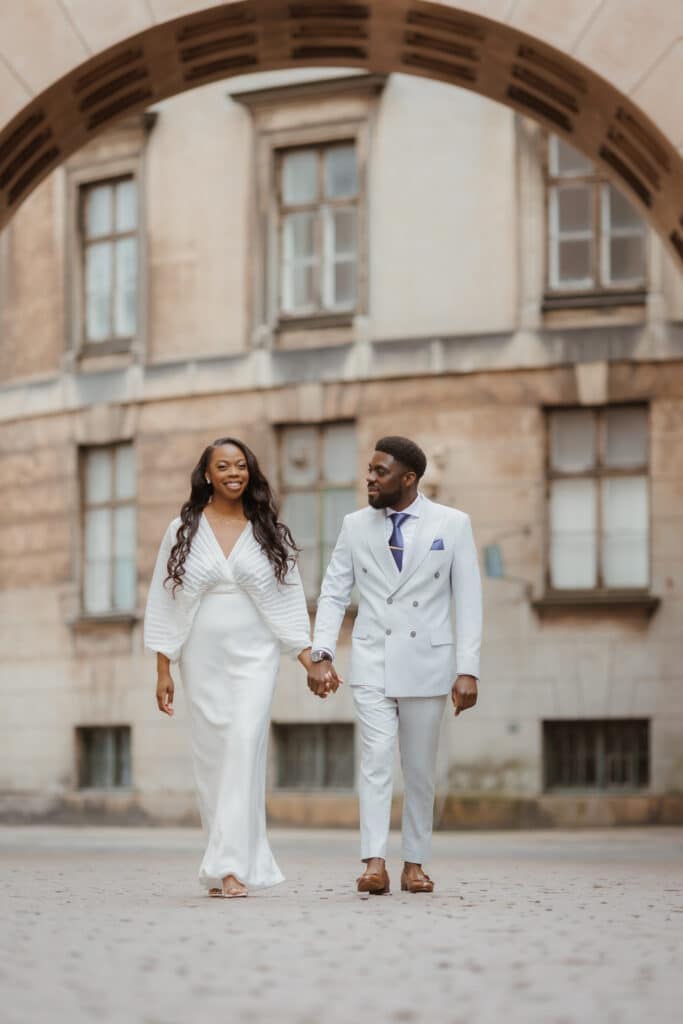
{"x":428,"y":39}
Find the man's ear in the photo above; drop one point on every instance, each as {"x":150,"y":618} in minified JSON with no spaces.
{"x":409,"y":477}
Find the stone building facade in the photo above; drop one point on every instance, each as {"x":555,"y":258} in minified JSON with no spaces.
{"x":308,"y":261}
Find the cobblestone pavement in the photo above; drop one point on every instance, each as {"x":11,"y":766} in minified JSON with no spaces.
{"x":106,"y":925}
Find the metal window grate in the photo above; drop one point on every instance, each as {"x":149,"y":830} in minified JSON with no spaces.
{"x":596,"y":754}
{"x":314,"y":756}
{"x":103,"y":753}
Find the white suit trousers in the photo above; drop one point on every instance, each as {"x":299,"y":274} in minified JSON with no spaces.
{"x":416,"y":720}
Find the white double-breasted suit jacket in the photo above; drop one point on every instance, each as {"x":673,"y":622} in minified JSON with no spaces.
{"x":403,"y":639}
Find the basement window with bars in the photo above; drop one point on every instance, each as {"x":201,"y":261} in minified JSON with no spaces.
{"x":314,"y":755}
{"x":318,"y":208}
{"x":103,"y":755}
{"x":598,"y":495}
{"x":612,"y":754}
{"x":596,"y":237}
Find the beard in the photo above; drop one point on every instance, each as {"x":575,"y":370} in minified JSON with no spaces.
{"x":383,"y":500}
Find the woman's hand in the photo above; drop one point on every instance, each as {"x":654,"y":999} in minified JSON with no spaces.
{"x":165,"y":687}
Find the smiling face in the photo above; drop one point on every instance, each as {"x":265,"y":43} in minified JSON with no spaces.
{"x":390,"y":483}
{"x":228,"y":472}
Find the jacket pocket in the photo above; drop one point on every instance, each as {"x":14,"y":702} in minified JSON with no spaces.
{"x":360,"y":631}
{"x":439,"y":637}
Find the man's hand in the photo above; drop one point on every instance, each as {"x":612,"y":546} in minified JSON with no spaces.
{"x":323,"y":679}
{"x":464,"y":693}
{"x":165,"y":693}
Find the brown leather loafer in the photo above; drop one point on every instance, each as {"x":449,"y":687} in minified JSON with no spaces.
{"x":416,"y":883}
{"x":374,"y":882}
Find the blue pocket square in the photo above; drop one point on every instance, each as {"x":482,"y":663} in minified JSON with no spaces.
{"x":437,"y":545}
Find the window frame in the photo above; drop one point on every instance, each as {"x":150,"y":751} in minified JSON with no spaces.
{"x":320,"y":210}
{"x":600,"y":727}
{"x":600,"y":292}
{"x":119,"y":731}
{"x":120,"y":152}
{"x":320,"y":488}
{"x":113,"y":343}
{"x":320,"y":730}
{"x":600,"y":471}
{"x":269,"y":327}
{"x":111,"y":613}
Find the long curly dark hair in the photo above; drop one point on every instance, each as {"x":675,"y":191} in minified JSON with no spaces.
{"x":260,"y":508}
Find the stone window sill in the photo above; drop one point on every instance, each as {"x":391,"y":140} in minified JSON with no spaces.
{"x":593,"y":299}
{"x":83,"y":622}
{"x":597,"y":601}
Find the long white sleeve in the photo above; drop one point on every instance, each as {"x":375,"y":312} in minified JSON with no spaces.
{"x":166,"y":618}
{"x":282,"y":605}
{"x":466,"y":584}
{"x":335,"y":595}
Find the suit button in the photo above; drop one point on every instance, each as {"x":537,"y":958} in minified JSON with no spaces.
{"x":390,"y":600}
{"x":388,"y":632}
{"x":413,"y":633}
{"x":415,"y":604}
{"x":436,"y":575}
{"x":364,"y":569}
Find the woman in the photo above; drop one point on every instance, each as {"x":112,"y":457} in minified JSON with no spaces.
{"x":225,"y":598}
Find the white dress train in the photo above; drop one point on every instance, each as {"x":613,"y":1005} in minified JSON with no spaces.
{"x":226,"y":626}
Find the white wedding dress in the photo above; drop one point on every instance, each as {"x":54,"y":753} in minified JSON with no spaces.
{"x":226,"y":627}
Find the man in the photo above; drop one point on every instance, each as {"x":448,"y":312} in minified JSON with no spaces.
{"x":410,"y":559}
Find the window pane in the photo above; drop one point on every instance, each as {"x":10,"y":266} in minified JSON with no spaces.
{"x":335,"y":505}
{"x":622,"y":213}
{"x":341,"y":174}
{"x":564,"y":159}
{"x":625,"y":532}
{"x":573,"y":534}
{"x":627,"y":437}
{"x":344,"y":241}
{"x":97,"y":577}
{"x":339,"y":756}
{"x":575,"y":263}
{"x":572,"y":440}
{"x":626,"y":259}
{"x":575,"y":209}
{"x":98,"y":476}
{"x":123,"y":761}
{"x":300,"y":177}
{"x":298,"y":267}
{"x":124,"y":482}
{"x":126,"y":205}
{"x":299,"y":236}
{"x":299,"y":457}
{"x":98,"y":211}
{"x":344,"y":294}
{"x":340,"y":454}
{"x":124,"y":532}
{"x":98,"y":284}
{"x":125,"y":306}
{"x":124,"y":561}
{"x":300,"y":512}
{"x":98,"y":534}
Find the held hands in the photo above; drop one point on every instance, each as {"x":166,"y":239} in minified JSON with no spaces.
{"x":165,"y":693}
{"x":323,"y":679}
{"x":464,"y":693}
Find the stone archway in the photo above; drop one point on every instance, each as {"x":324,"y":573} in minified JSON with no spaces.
{"x":439,"y":41}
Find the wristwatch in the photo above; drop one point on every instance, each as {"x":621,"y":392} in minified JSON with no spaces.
{"x":317,"y":656}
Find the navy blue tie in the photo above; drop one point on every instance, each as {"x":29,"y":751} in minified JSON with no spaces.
{"x":396,"y":539}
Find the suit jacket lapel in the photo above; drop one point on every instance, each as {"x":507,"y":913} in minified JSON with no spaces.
{"x":379,"y":546}
{"x":422,"y":539}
